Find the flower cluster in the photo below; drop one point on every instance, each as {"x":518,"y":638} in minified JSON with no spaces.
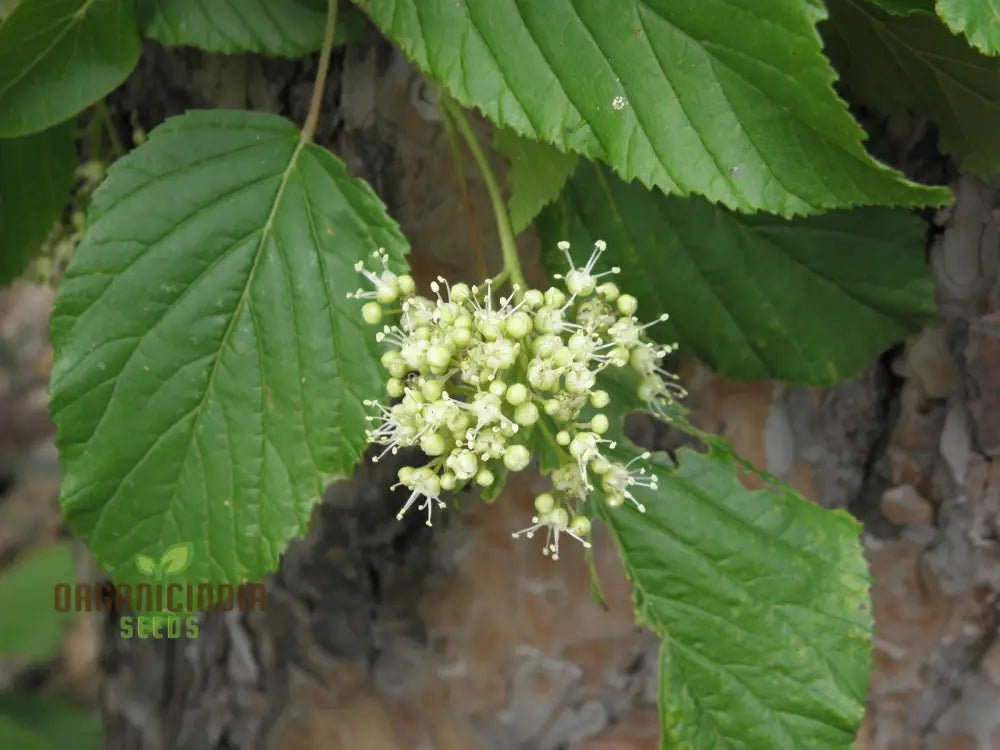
{"x":473,"y":373}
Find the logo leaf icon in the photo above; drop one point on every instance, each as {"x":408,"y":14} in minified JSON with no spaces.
{"x":145,"y":564}
{"x":177,"y":558}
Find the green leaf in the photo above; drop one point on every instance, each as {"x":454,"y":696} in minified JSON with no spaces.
{"x":913,"y":64}
{"x":30,"y":626}
{"x":761,"y":601}
{"x":58,"y":56}
{"x":979,"y":20}
{"x":811,"y":300}
{"x":733,"y":101}
{"x":50,"y":723}
{"x":36,"y":179}
{"x":282,"y":28}
{"x":209,"y":369}
{"x":537,"y":174}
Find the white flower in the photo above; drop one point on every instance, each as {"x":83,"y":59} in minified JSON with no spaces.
{"x":388,"y":286}
{"x":618,"y":479}
{"x":555,"y":521}
{"x":424,"y":483}
{"x":581,"y":282}
{"x":470,"y":369}
{"x":586,"y":447}
{"x":568,"y":480}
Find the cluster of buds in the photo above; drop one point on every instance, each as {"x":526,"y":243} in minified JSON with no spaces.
{"x":473,"y":373}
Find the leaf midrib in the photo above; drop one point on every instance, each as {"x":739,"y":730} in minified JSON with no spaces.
{"x":244,"y":298}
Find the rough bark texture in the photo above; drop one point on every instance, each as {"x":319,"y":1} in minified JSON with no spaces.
{"x":381,"y":635}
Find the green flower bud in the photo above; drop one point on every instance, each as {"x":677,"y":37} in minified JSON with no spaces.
{"x":517,"y":394}
{"x":600,"y":465}
{"x":581,"y":345}
{"x":547,"y":345}
{"x":484,"y":478}
{"x":627,"y":304}
{"x":562,"y":356}
{"x":550,"y":382}
{"x":394,"y":387}
{"x":498,"y":387}
{"x":406,"y":285}
{"x":562,"y":437}
{"x":533,"y":299}
{"x":393,"y":362}
{"x":599,"y":399}
{"x":580,"y":526}
{"x":518,"y":325}
{"x":609,"y":291}
{"x":432,"y":444}
{"x":554,"y":297}
{"x":526,"y":414}
{"x":406,"y":474}
{"x":448,"y":481}
{"x":459,"y":337}
{"x":458,"y":423}
{"x":460,"y":293}
{"x":548,"y":319}
{"x":371,"y":312}
{"x":431,"y":390}
{"x":599,"y":424}
{"x":516,"y":457}
{"x":447,"y":313}
{"x":544,"y":504}
{"x":438,"y":356}
{"x":490,"y":329}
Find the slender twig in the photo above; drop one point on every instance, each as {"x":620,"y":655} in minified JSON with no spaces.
{"x":94,"y":134}
{"x":500,"y":278}
{"x":316,"y":103}
{"x":463,"y":187}
{"x":511,"y":262}
{"x":105,"y":116}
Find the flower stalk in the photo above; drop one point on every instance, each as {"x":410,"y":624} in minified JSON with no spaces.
{"x":508,"y":248}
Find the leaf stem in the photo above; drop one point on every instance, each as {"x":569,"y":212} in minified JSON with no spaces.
{"x":511,"y":263}
{"x":500,"y":277}
{"x":117,"y":149}
{"x":316,"y":103}
{"x":463,"y":186}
